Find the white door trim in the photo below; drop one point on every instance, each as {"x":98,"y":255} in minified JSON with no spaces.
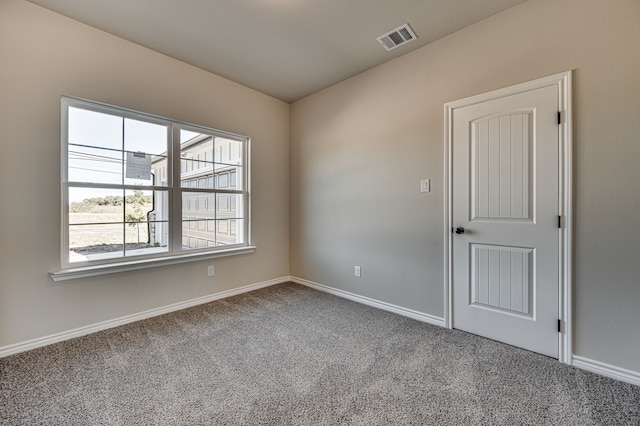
{"x":563,"y":83}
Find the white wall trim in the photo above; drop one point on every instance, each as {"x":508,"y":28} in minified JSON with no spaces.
{"x":134,"y":265}
{"x":563,"y":83}
{"x":104,"y":325}
{"x":405,"y":312}
{"x":607,"y":370}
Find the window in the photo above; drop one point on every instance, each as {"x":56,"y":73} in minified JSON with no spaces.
{"x":139,"y":187}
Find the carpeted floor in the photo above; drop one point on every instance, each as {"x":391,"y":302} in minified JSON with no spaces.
{"x":290,"y":355}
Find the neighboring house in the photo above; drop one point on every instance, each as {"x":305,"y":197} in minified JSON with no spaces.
{"x":208,"y":219}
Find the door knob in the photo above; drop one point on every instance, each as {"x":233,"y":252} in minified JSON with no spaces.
{"x":459,"y":230}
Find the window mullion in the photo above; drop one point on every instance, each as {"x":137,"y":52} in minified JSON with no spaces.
{"x":215,"y":215}
{"x":64,"y":188}
{"x":246,"y":188}
{"x":176,"y":191}
{"x":124,"y":222}
{"x":124,"y":192}
{"x":116,"y":186}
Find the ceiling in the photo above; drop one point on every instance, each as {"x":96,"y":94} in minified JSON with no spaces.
{"x":285,"y":48}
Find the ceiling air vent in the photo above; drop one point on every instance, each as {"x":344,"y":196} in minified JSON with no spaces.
{"x":395,"y":38}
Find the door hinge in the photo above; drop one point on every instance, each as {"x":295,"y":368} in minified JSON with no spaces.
{"x":559,"y":222}
{"x":559,"y":325}
{"x":559,"y":117}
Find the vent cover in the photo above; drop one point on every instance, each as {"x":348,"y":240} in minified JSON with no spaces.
{"x":395,"y":38}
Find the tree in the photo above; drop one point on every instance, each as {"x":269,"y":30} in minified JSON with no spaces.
{"x":136,"y":213}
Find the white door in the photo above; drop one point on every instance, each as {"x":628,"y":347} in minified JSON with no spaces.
{"x":505,"y":216}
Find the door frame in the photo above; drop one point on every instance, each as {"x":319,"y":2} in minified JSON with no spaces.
{"x":562,"y":81}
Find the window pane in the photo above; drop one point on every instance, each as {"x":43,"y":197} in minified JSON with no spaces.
{"x":147,"y":222}
{"x":196,"y":154}
{"x":229,"y":206}
{"x":223,"y":204}
{"x":198,"y":224}
{"x":223,"y":179}
{"x":228,"y":177}
{"x":95,"y":205}
{"x":95,"y":242}
{"x":138,"y":204}
{"x":145,"y":146}
{"x":159,"y":170}
{"x":94,"y":165}
{"x":228,"y":151}
{"x":143,"y":169}
{"x":89,"y":128}
{"x":141,"y":136}
{"x":198,"y":234}
{"x":198,"y":205}
{"x":230,"y":232}
{"x":139,"y":241}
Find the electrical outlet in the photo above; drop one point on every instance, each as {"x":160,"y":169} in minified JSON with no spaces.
{"x":356,"y":271}
{"x":211,"y":271}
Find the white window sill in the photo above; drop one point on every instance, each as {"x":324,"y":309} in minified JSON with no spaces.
{"x":133,"y":265}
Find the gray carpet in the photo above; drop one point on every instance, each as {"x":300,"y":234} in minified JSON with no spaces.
{"x":290,"y":355}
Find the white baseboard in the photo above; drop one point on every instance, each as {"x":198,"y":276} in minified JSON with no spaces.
{"x":104,"y":325}
{"x":420,"y":316}
{"x":607,"y":370}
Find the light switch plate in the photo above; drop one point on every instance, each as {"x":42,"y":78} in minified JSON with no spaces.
{"x":425,"y":185}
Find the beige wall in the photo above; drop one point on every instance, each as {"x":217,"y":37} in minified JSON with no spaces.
{"x":44,"y":55}
{"x":360,"y":148}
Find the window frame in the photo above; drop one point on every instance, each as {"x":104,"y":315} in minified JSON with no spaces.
{"x":175,"y":252}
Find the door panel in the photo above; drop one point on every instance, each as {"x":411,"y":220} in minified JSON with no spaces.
{"x":502,"y":279}
{"x":500,"y":163}
{"x":505,"y":196}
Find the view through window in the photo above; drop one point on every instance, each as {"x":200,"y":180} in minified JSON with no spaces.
{"x":122,"y":186}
